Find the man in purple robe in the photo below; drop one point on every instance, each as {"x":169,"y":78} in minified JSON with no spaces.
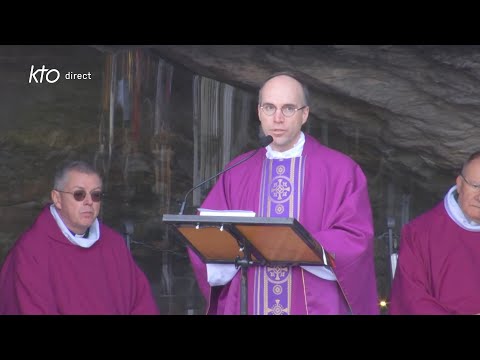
{"x":438,"y":268}
{"x":68,"y":262}
{"x":326,"y":191}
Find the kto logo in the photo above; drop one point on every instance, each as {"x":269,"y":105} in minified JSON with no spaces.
{"x":51,"y":75}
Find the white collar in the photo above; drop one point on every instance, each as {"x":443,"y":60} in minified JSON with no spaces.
{"x":293,"y":152}
{"x":456,"y":213}
{"x":93,"y":235}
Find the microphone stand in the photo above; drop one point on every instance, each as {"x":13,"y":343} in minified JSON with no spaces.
{"x":263,"y":142}
{"x":244,"y":263}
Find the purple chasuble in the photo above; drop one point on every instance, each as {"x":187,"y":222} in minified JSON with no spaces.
{"x":438,"y":267}
{"x":334,"y":209}
{"x":44,"y":273}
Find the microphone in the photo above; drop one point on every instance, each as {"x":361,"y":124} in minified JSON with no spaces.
{"x":264,"y":141}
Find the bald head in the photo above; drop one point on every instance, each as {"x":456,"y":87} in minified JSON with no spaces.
{"x":282,"y":78}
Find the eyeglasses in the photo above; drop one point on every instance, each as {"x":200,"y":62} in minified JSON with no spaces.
{"x":79,"y":195}
{"x":474,"y":186}
{"x":287,"y":110}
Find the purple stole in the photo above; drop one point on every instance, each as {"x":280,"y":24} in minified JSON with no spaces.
{"x":271,"y":288}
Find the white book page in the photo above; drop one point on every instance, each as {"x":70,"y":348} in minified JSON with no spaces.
{"x":211,"y":212}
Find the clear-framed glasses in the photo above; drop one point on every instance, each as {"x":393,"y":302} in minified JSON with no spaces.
{"x":476,"y":187}
{"x":287,"y":110}
{"x":79,"y":195}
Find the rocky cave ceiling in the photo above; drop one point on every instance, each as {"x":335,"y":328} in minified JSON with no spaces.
{"x":416,"y":109}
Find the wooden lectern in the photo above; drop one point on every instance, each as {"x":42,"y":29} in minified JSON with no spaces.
{"x":246,"y":241}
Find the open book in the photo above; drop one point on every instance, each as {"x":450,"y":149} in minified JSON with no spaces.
{"x":211,"y":212}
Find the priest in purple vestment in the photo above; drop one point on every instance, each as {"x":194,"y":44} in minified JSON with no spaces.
{"x":68,"y":262}
{"x":438,"y":268}
{"x":325,"y":190}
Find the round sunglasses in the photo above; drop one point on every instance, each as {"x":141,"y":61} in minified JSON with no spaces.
{"x":79,"y":195}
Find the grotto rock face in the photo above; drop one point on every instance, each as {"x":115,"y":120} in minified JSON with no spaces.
{"x":416,"y":107}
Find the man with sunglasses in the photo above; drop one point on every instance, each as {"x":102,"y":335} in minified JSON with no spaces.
{"x":68,"y":262}
{"x":438,"y":268}
{"x":325,"y":190}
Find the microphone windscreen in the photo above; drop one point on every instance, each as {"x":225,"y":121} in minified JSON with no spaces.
{"x":266,"y":140}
